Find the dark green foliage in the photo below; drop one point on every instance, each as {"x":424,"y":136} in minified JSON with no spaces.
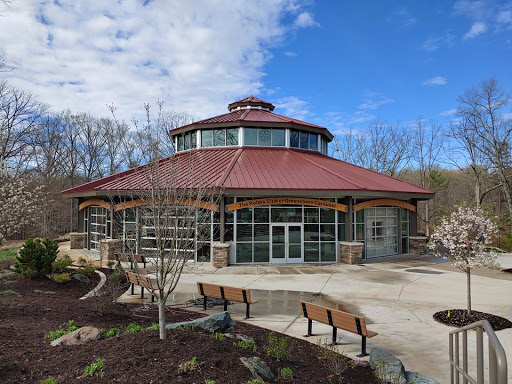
{"x":118,"y":276}
{"x":53,"y":335}
{"x":280,"y":347}
{"x":86,"y":271}
{"x":60,"y":265}
{"x":36,"y":257}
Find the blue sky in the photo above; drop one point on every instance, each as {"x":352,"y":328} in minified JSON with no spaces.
{"x":341,"y":64}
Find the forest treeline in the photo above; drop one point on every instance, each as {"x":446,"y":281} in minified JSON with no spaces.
{"x":43,"y":152}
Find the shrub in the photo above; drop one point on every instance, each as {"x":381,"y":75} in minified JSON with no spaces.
{"x":335,"y":362}
{"x":60,"y":278}
{"x":286,"y":373}
{"x":133,"y":328}
{"x":246,"y":344}
{"x":188,"y":366}
{"x":60,"y":265}
{"x":86,"y":271}
{"x":153,"y":327}
{"x":10,"y":292}
{"x":95,"y":369}
{"x":50,"y":380}
{"x":207,"y":381}
{"x":280,"y":347}
{"x":219,"y":336}
{"x":36,"y":257}
{"x":53,"y":335}
{"x":110,"y":264}
{"x":112,"y":332}
{"x":118,"y":276}
{"x":38,"y":291}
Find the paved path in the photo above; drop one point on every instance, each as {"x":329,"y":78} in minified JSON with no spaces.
{"x":397,"y":297}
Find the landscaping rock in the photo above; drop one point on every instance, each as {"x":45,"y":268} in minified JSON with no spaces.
{"x":81,"y":278}
{"x":387,"y":366}
{"x":416,"y":378}
{"x":259,"y":369}
{"x":240,"y":337}
{"x":80,"y":336}
{"x":218,"y":323}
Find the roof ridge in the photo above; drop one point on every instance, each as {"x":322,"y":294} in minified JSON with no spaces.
{"x":230,"y":166}
{"x":328,"y":170}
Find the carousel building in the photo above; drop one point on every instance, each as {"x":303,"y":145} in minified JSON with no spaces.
{"x":284,"y":200}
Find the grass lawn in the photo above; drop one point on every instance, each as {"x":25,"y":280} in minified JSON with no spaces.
{"x":9,"y":253}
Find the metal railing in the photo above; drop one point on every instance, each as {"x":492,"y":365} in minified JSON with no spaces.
{"x":497,"y":357}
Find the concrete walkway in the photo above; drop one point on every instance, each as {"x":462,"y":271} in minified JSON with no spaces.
{"x":397,"y":297}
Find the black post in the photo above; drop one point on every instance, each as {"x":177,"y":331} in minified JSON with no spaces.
{"x":142,"y":292}
{"x":363,"y":347}
{"x":204,"y":303}
{"x":334,"y":335}
{"x":133,"y":289}
{"x":310,"y":327}
{"x":225,"y":305}
{"x":247,"y":308}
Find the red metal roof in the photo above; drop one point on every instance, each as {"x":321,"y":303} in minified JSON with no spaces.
{"x":251,"y":101}
{"x":253,"y":168}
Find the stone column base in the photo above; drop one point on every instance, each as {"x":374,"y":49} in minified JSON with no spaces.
{"x":77,"y":240}
{"x":220,"y":255}
{"x":109,"y":247}
{"x":351,"y":252}
{"x":418,"y":245}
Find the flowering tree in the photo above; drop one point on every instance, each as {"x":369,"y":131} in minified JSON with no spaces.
{"x":461,"y":237}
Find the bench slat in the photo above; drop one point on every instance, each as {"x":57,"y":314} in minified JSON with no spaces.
{"x":230,"y":293}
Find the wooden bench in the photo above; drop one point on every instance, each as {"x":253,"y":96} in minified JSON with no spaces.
{"x":128,"y":257}
{"x":142,"y":281}
{"x":240,"y":295}
{"x":336,"y":319}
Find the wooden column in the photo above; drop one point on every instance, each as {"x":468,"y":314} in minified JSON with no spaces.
{"x":349,"y":219}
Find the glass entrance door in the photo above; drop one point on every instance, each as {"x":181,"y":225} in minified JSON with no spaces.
{"x":287,"y":243}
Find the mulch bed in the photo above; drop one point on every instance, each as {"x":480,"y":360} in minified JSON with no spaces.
{"x":460,"y":318}
{"x":27,"y":357}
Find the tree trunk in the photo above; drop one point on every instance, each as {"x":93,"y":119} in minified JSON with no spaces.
{"x":468,"y":276}
{"x":427,"y":218}
{"x":161,"y":316}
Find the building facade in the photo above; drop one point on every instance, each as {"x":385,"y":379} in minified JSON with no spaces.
{"x":283,"y":199}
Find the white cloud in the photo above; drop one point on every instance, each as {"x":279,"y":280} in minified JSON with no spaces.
{"x":290,"y":54}
{"x":305,"y":20}
{"x":197,"y":56}
{"x":476,"y":29}
{"x":374,"y":101}
{"x":438,"y":80}
{"x":401,"y":17}
{"x":293,"y":107}
{"x":434,"y":43}
{"x":449,"y":112}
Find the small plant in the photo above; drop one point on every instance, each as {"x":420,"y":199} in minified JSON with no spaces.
{"x":188,"y":366}
{"x":60,"y":265}
{"x":335,"y":362}
{"x":133,"y":328}
{"x":82,"y":261}
{"x":246,"y":344}
{"x":53,"y":335}
{"x":39,"y":292}
{"x":219,"y":336}
{"x":50,"y":380}
{"x":255,"y":381}
{"x":60,"y":278}
{"x":186,"y":327}
{"x":286,"y":373}
{"x":86,"y":271}
{"x":110,"y":264}
{"x":10,"y":292}
{"x":208,"y":381}
{"x":203,"y":259}
{"x":359,"y":363}
{"x":36,"y":257}
{"x":280,"y":347}
{"x":112,"y":332}
{"x":153,"y":327}
{"x":95,"y":369}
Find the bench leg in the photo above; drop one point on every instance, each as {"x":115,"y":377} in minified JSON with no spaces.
{"x":204,"y":302}
{"x":225,"y":305}
{"x":133,"y":289}
{"x":152,"y":298}
{"x":363,"y":347}
{"x":141,"y":292}
{"x":334,"y":335}
{"x":247,"y":309}
{"x":310,"y":328}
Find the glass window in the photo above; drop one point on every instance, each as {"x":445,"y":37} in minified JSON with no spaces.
{"x":180,"y":143}
{"x":327,"y":215}
{"x":313,"y":141}
{"x":261,"y":232}
{"x":244,"y":215}
{"x":264,"y":137}
{"x":244,"y":232}
{"x":311,"y":215}
{"x":311,"y":253}
{"x":311,"y":232}
{"x":193,"y":139}
{"x":219,"y":137}
{"x":243,"y":252}
{"x":327,"y":232}
{"x":328,"y":251}
{"x":304,"y":140}
{"x":232,"y":136}
{"x":261,"y":215}
{"x":187,"y":141}
{"x":261,"y":252}
{"x":290,"y":215}
{"x":228,"y":234}
{"x":278,"y":137}
{"x":250,"y":136}
{"x":206,"y":138}
{"x":294,"y":138}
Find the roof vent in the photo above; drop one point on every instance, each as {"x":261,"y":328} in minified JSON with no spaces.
{"x":251,"y":102}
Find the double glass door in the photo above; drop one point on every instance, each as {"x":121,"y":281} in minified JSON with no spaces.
{"x":286,"y":243}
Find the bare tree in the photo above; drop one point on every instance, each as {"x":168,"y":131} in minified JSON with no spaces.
{"x":91,"y":146}
{"x":170,"y":208}
{"x":481,"y":110}
{"x":383,"y":148}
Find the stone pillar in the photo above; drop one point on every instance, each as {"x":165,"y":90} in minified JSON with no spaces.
{"x":77,"y":240}
{"x":220,"y":255}
{"x":109,"y":247}
{"x":418,"y":245}
{"x":351,"y":252}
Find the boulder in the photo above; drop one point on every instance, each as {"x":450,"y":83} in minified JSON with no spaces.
{"x":240,"y":337}
{"x":81,"y":278}
{"x":259,"y":369}
{"x":80,"y":336}
{"x":416,"y":378}
{"x":387,"y":366}
{"x":218,"y":323}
